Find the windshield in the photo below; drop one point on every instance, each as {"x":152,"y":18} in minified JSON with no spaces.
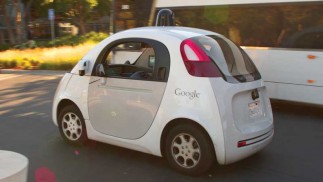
{"x":233,"y":62}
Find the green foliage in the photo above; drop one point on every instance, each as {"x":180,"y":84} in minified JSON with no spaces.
{"x":4,"y":47}
{"x":218,"y":16}
{"x":92,"y":3}
{"x":68,"y":40}
{"x":77,"y":11}
{"x":31,"y":44}
{"x":25,"y":64}
{"x":8,"y":64}
{"x":77,"y":7}
{"x":103,"y":7}
{"x":70,"y":8}
{"x":65,"y":65}
{"x":32,"y":64}
{"x":56,"y":58}
{"x":73,"y":40}
{"x":35,"y":59}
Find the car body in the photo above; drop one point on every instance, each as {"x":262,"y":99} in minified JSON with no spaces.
{"x":188,"y":94}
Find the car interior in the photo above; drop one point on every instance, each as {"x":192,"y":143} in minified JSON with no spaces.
{"x":131,"y":62}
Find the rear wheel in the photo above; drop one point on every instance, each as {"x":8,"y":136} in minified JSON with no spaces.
{"x":72,"y":126}
{"x":189,"y":150}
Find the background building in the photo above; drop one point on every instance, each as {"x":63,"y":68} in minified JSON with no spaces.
{"x":131,"y":14}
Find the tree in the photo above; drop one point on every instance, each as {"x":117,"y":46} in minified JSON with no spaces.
{"x":16,"y":18}
{"x":7,"y":21}
{"x":78,"y":11}
{"x":20,"y":33}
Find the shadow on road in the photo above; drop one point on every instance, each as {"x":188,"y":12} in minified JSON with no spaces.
{"x":25,"y":99}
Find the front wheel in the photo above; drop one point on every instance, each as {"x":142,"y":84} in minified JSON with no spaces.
{"x":189,"y":150}
{"x":72,"y":126}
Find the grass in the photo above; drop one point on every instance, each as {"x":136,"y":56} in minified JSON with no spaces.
{"x":57,"y":58}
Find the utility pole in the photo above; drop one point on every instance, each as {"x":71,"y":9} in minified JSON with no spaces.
{"x":51,"y":17}
{"x":112,"y":14}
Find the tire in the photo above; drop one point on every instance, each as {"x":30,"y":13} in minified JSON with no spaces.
{"x":72,"y":126}
{"x":188,"y":150}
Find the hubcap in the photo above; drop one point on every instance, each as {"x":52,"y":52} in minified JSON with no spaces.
{"x":72,"y":126}
{"x":186,"y":150}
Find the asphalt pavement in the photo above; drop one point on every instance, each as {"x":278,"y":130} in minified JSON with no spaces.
{"x":295,"y":154}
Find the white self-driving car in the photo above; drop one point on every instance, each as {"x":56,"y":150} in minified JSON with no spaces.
{"x":187,"y":94}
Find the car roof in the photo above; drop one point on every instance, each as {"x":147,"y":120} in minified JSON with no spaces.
{"x":177,"y":32}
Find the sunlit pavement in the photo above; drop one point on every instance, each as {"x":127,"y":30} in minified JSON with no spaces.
{"x":26,"y":127}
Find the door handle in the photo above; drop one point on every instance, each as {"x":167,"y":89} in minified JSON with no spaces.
{"x":103,"y":81}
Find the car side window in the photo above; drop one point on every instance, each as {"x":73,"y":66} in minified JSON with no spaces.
{"x":130,"y":60}
{"x":310,"y":41}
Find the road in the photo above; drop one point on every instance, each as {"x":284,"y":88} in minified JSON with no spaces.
{"x":295,"y":155}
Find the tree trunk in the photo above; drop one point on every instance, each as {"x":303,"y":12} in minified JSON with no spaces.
{"x":80,"y":18}
{"x":27,"y":18}
{"x":18,"y":18}
{"x":7,"y":23}
{"x":81,"y":25}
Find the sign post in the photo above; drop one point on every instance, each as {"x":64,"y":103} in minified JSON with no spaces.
{"x":51,"y":17}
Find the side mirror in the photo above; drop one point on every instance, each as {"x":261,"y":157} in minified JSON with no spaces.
{"x":84,"y":67}
{"x":99,"y":71}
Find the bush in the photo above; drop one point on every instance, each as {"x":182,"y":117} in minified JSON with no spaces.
{"x":4,"y":47}
{"x":34,"y":63}
{"x":45,"y":66}
{"x":56,"y":66}
{"x":95,"y":37}
{"x":8,"y":64}
{"x":73,"y":40}
{"x":26,"y":65}
{"x":13,"y":64}
{"x":68,"y":40}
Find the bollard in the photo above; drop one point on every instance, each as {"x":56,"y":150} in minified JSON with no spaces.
{"x":13,"y":167}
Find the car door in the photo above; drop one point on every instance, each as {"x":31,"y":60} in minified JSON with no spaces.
{"x":127,"y":86}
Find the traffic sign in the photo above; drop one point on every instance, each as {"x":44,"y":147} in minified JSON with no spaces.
{"x":51,"y":14}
